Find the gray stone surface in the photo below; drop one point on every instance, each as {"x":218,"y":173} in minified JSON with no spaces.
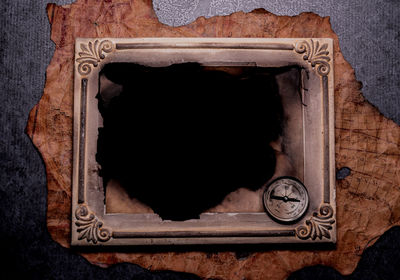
{"x":369,"y":36}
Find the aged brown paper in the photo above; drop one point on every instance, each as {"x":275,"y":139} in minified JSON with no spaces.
{"x":368,"y":201}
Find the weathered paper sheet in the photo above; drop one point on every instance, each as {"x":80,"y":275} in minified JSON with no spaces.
{"x":368,"y":201}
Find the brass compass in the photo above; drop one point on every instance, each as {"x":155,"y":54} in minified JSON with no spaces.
{"x":286,"y":199}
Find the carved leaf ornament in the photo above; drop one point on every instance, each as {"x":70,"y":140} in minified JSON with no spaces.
{"x":318,"y":226}
{"x":91,"y":54}
{"x":89,"y":227}
{"x":316,"y":54}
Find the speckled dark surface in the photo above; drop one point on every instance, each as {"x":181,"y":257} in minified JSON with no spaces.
{"x":369,"y":36}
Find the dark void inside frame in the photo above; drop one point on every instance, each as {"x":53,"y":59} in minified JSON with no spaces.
{"x":186,"y":139}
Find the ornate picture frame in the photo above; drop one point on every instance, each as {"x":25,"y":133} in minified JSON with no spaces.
{"x":93,"y":226}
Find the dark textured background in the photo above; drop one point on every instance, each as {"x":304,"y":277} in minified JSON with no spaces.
{"x":369,"y":37}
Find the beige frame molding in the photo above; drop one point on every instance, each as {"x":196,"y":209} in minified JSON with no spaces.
{"x":91,"y":225}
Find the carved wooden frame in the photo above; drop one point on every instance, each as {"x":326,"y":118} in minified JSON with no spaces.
{"x":91,"y":225}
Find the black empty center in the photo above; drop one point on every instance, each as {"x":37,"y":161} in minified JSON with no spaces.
{"x":181,"y":138}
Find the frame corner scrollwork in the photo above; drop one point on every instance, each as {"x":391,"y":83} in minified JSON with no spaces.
{"x":316,"y":54}
{"x":319,"y":225}
{"x":89,"y":226}
{"x":91,"y":54}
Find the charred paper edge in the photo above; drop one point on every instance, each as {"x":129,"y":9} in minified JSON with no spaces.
{"x":88,"y":227}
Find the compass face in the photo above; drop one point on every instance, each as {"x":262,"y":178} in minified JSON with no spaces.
{"x":286,"y":199}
